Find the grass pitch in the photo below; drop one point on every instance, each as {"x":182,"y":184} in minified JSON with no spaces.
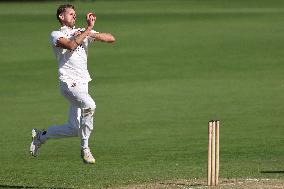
{"x":175,"y":66}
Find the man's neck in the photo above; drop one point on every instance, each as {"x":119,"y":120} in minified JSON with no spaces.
{"x":69,"y":27}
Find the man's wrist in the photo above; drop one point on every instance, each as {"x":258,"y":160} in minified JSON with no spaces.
{"x":76,"y":42}
{"x":88,"y":28}
{"x":96,"y":35}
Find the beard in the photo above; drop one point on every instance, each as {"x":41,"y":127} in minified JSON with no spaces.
{"x":70,"y":24}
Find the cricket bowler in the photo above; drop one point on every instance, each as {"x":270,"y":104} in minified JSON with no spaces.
{"x":70,"y":46}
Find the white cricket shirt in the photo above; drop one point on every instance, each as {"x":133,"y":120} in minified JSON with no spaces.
{"x":72,"y":64}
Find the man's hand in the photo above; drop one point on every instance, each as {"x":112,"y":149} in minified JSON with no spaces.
{"x":91,"y":19}
{"x":77,"y":33}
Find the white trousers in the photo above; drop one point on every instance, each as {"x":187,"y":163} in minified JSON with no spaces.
{"x":81,"y":112}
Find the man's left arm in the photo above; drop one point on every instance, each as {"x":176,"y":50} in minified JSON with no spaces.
{"x":103,"y":37}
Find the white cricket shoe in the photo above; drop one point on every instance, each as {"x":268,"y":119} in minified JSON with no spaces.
{"x":87,"y":156}
{"x":36,"y":143}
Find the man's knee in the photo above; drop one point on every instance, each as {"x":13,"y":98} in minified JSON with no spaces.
{"x":87,"y":117}
{"x":89,"y":110}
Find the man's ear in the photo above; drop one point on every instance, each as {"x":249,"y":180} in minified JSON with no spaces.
{"x":61,"y":16}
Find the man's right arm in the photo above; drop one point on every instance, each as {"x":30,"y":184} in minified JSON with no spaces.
{"x":72,"y":44}
{"x":78,"y":39}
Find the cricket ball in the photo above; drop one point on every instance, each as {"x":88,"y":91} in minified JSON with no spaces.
{"x":90,"y":15}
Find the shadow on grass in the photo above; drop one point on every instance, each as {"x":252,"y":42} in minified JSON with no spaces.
{"x":272,"y":172}
{"x":11,"y":186}
{"x":182,"y":184}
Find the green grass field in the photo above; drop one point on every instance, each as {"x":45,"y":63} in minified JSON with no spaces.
{"x":175,"y":66}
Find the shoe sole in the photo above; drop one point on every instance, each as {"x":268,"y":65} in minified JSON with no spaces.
{"x":33,"y":138}
{"x":87,"y":162}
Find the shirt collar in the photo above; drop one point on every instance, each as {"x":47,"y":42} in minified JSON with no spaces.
{"x":66,"y":28}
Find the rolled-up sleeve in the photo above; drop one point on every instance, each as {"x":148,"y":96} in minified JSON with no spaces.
{"x":55,"y":36}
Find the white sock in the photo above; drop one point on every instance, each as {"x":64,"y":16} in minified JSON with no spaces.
{"x":84,"y":143}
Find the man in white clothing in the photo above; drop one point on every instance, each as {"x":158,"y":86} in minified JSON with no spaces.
{"x":70,"y":46}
